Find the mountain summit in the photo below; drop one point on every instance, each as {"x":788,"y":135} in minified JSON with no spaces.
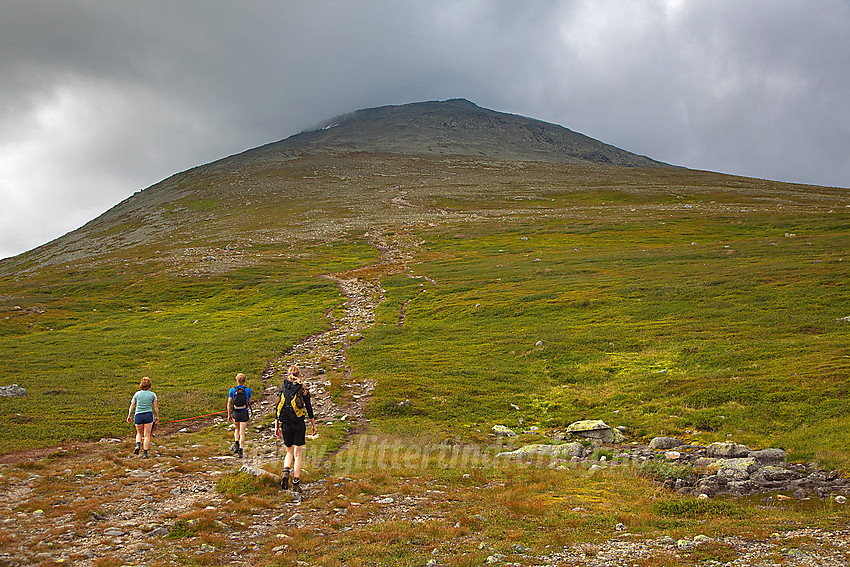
{"x":458,"y":127}
{"x":335,"y":179}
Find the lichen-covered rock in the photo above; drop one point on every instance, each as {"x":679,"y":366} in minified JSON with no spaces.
{"x":736,"y":469}
{"x":564,"y":451}
{"x":772,"y":456}
{"x":596,"y":429}
{"x":772,"y":473}
{"x":12,"y":391}
{"x":664,"y":443}
{"x":503,"y":431}
{"x":728,"y":450}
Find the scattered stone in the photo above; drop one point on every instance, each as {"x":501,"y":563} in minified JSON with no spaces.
{"x":840,"y":499}
{"x":769,"y":456}
{"x":114,"y":532}
{"x":664,"y":443}
{"x":504,"y":431}
{"x":728,"y":450}
{"x":672,"y":455}
{"x":12,"y":391}
{"x":596,"y":429}
{"x":800,"y":494}
{"x":564,"y":451}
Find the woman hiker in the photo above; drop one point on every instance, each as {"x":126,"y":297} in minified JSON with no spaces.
{"x":145,"y":416}
{"x":238,"y":412}
{"x":293,"y":405}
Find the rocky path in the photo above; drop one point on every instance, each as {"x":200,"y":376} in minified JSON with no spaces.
{"x":62,"y":511}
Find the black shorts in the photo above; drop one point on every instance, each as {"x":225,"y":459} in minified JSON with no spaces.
{"x":240,"y":415}
{"x":293,"y":433}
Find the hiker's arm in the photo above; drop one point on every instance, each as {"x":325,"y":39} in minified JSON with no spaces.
{"x":156,"y":411}
{"x":309,"y":406}
{"x":229,"y":408}
{"x":130,"y":411}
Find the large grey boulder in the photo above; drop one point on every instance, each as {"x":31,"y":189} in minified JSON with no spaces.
{"x":564,"y":451}
{"x":596,"y":429}
{"x":728,"y":450}
{"x":736,"y":469}
{"x":769,"y":456}
{"x":13,"y":391}
{"x":665,"y":443}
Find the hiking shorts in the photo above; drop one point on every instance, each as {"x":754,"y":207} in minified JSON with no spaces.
{"x":293,"y":433}
{"x":239,"y":415}
{"x":143,"y":418}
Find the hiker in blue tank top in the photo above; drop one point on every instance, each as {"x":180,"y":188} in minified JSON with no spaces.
{"x":238,"y":412}
{"x":144,"y":413}
{"x":289,"y":423}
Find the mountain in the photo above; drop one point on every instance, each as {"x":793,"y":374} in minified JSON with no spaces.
{"x":458,"y":127}
{"x":304,"y":174}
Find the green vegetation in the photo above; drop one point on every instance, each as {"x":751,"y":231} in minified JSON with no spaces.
{"x":80,"y":341}
{"x":693,"y":327}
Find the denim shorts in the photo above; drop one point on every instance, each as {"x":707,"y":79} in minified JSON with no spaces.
{"x":143,"y":418}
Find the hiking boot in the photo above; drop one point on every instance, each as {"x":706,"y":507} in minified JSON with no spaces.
{"x":296,"y":485}
{"x":235,"y":448}
{"x":145,"y":454}
{"x":136,"y":450}
{"x":241,"y":454}
{"x":284,"y":480}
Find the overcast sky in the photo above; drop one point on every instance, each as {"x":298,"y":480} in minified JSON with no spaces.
{"x":99,"y":99}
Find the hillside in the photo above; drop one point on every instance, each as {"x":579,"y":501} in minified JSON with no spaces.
{"x":430,"y":297}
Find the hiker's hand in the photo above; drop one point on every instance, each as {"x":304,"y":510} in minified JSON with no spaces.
{"x":277,"y":432}
{"x":314,"y":429}
{"x":129,"y":420}
{"x":229,"y":417}
{"x":156,"y":420}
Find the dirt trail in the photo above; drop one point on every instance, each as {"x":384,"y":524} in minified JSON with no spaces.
{"x":63,"y":513}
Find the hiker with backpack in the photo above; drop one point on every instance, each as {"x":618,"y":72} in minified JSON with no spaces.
{"x":293,"y":404}
{"x":239,"y":412}
{"x":144,"y":413}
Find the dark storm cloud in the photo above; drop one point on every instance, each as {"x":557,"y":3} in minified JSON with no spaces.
{"x":101,"y":99}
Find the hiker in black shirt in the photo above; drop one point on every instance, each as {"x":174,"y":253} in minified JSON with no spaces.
{"x":293,"y":405}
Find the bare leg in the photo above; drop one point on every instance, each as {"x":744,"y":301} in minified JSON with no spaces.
{"x":240,"y":432}
{"x":296,"y":472}
{"x":147,"y":428}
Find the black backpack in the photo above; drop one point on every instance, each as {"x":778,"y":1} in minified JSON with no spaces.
{"x":240,"y":399}
{"x":291,"y":406}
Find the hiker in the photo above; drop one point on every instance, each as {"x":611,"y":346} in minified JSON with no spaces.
{"x":146,"y":415}
{"x":238,"y":412}
{"x":293,"y":404}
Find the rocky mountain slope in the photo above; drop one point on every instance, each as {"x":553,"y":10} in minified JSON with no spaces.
{"x":457,"y":127}
{"x":338,"y":178}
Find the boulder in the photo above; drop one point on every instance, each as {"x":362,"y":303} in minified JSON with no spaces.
{"x":728,"y":450}
{"x":501,"y":430}
{"x":564,"y":451}
{"x":769,"y":456}
{"x":736,"y":469}
{"x":596,"y":429}
{"x":13,"y":391}
{"x":664,"y":443}
{"x":771,"y":473}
